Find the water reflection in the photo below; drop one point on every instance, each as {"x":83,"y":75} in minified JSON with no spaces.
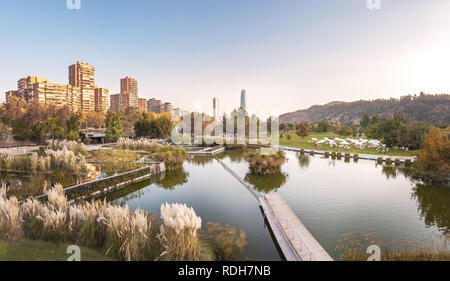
{"x":266,"y":183}
{"x":303,"y":160}
{"x":433,"y":205}
{"x":200,"y":160}
{"x":171,"y":179}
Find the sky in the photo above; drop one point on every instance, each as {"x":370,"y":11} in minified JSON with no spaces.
{"x":287,"y":54}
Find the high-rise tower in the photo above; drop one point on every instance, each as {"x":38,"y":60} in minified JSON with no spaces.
{"x":243,"y":100}
{"x":215,"y":107}
{"x":129,"y":86}
{"x":82,"y":75}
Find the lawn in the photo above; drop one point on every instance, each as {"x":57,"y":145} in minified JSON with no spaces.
{"x":29,"y":250}
{"x":302,"y":142}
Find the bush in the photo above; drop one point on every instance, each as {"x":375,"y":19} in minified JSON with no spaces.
{"x":265,"y":164}
{"x":228,"y":244}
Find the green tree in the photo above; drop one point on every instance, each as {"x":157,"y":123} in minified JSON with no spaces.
{"x":114,"y":127}
{"x":54,"y":128}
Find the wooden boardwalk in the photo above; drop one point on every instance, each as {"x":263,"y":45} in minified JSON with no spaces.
{"x":294,"y":239}
{"x":362,"y":156}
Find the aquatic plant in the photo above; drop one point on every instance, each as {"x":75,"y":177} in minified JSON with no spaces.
{"x":265,"y":164}
{"x":172,"y":157}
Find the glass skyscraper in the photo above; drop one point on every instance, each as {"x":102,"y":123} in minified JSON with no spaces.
{"x":243,"y":100}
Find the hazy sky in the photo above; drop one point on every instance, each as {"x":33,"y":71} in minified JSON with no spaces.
{"x":287,"y":54}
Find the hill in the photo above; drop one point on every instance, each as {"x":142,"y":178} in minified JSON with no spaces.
{"x":429,"y":108}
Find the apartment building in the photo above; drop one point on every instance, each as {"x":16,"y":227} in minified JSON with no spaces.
{"x":118,"y":102}
{"x":9,"y":94}
{"x":48,"y":93}
{"x":129,"y":86}
{"x":142,"y":105}
{"x":101,"y":99}
{"x":25,"y":86}
{"x":82,"y":75}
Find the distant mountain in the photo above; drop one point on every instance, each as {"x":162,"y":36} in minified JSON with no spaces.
{"x":430,"y":108}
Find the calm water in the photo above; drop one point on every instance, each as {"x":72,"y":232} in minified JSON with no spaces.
{"x":331,"y":197}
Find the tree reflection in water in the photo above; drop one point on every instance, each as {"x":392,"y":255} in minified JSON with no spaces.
{"x":200,"y":160}
{"x":433,"y":200}
{"x":266,"y":183}
{"x":169,"y":180}
{"x":433,"y":205}
{"x":303,"y":160}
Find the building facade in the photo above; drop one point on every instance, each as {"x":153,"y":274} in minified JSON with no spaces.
{"x":118,"y":102}
{"x":25,"y":86}
{"x":48,"y":93}
{"x":9,"y":94}
{"x":82,"y":75}
{"x":129,"y":86}
{"x":101,"y":99}
{"x":142,"y":105}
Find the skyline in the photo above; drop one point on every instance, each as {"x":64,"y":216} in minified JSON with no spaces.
{"x":306,"y":53}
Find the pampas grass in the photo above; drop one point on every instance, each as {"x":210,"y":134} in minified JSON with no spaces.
{"x":74,"y":146}
{"x":10,"y":217}
{"x":144,"y":144}
{"x":121,"y":233}
{"x":178,"y":234}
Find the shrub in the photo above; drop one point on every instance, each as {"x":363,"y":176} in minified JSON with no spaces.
{"x":265,"y":164}
{"x":228,"y":244}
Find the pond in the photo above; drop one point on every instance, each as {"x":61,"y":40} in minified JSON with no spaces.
{"x":331,"y":197}
{"x":23,"y":185}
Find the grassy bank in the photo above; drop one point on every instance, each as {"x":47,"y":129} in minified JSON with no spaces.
{"x":302,"y":142}
{"x":29,"y":250}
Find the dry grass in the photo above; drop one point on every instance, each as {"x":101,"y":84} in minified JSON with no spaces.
{"x":352,"y":249}
{"x":114,"y":229}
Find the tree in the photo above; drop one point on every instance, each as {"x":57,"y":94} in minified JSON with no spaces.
{"x":365,"y":121}
{"x":433,"y":161}
{"x":54,"y":127}
{"x":153,"y":126}
{"x":114,"y":127}
{"x":346,"y":131}
{"x":304,"y":128}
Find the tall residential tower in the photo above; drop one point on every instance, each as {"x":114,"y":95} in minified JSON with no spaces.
{"x":82,"y":75}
